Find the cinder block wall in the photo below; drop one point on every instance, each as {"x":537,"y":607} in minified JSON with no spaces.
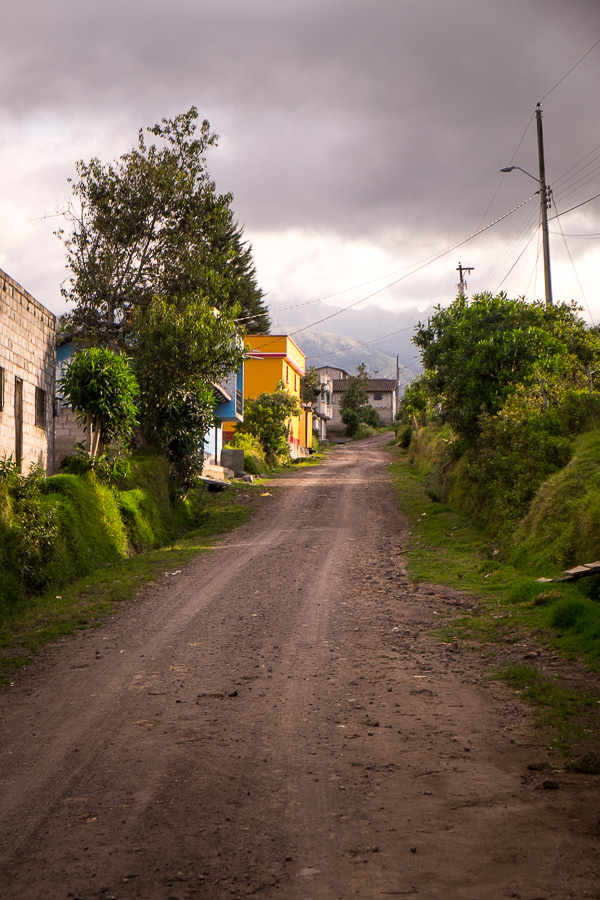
{"x":67,"y":431}
{"x":27,"y":353}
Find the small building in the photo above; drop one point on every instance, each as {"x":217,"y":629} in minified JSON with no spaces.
{"x":323,"y":406}
{"x":27,"y":367}
{"x":382,"y":394}
{"x":230,"y":410}
{"x":274,"y":358}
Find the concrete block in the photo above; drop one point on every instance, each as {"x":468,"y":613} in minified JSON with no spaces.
{"x":233,"y":459}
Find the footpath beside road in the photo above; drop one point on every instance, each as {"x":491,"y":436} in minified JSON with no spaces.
{"x":276,"y":720}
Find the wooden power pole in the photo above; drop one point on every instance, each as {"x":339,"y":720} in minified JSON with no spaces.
{"x":462,"y":284}
{"x":545,"y":200}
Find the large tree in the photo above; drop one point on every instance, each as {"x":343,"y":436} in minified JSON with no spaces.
{"x":159,"y":267}
{"x":152,"y":224}
{"x":354,"y":405}
{"x":476,"y":351}
{"x":181,"y":350}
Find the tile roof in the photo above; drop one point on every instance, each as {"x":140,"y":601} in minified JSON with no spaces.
{"x":374,"y":384}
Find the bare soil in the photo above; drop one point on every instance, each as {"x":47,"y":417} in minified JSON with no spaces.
{"x":276,"y":720}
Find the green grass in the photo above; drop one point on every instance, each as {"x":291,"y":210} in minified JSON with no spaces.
{"x":562,"y":527}
{"x":86,"y":601}
{"x":445,"y":547}
{"x":557,"y":709}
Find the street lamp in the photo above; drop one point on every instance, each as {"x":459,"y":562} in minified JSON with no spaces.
{"x":510,"y":169}
{"x":544,"y":192}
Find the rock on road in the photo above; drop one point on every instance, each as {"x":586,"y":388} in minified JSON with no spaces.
{"x":276,"y":720}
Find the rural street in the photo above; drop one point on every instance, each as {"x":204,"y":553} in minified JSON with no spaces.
{"x":276,"y":720}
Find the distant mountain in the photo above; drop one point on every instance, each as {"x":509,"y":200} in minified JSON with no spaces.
{"x":373,"y":336}
{"x":322,"y":348}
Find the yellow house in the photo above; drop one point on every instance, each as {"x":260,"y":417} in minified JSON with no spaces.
{"x":274,"y":358}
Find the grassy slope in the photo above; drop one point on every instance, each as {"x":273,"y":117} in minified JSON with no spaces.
{"x":448,"y":548}
{"x":111,"y":542}
{"x":563,"y":524}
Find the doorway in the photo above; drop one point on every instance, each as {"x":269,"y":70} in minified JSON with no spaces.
{"x":19,"y":422}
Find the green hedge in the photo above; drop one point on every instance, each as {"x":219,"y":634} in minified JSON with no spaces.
{"x":96,"y":524}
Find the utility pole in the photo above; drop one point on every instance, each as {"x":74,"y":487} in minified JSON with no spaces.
{"x":462,"y":284}
{"x":545,"y":201}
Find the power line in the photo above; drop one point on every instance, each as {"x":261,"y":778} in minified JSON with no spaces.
{"x":570,"y":70}
{"x":426,"y":263}
{"x":574,"y":269}
{"x":362,"y":343}
{"x":517,"y":259}
{"x":565,"y":211}
{"x":489,"y":206}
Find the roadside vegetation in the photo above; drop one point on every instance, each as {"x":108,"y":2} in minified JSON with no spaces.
{"x":498,"y":473}
{"x":73,"y":547}
{"x":359,"y":417}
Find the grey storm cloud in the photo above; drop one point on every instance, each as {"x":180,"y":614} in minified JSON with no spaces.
{"x":373,"y":119}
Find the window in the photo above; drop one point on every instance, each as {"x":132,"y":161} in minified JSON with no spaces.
{"x":377,"y":395}
{"x":1,"y":388}
{"x":40,"y":408}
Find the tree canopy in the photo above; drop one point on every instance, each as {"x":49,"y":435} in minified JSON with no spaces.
{"x":354,"y":405}
{"x":152,"y":224}
{"x":101,"y":388}
{"x":476,"y":351}
{"x":180,"y":352}
{"x":159,"y":268}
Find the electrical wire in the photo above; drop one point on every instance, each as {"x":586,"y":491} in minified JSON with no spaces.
{"x":432,"y":258}
{"x":574,"y":269}
{"x":523,"y":231}
{"x":570,"y":70}
{"x":517,"y":260}
{"x":489,"y":206}
{"x":578,"y":166}
{"x":362,"y":343}
{"x":565,"y":211}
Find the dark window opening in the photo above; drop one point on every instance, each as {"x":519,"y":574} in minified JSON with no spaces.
{"x":40,"y":408}
{"x":377,"y":396}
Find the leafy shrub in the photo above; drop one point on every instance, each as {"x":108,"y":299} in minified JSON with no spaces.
{"x":370,"y":416}
{"x":102,"y":389}
{"x":404,"y":436}
{"x":351,"y":420}
{"x":30,"y":529}
{"x":265,"y":419}
{"x":255,"y":465}
{"x":254,"y":457}
{"x":364,"y":431}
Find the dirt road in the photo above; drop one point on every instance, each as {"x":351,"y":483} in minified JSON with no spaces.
{"x":275,"y":720}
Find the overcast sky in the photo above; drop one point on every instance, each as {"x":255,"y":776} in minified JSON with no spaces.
{"x":360,"y":138}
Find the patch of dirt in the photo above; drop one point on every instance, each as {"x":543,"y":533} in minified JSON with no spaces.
{"x":277,"y":720}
